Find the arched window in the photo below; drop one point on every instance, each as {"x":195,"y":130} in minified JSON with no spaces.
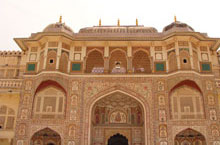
{"x":186,"y":102}
{"x":185,"y":60}
{"x":195,"y":61}
{"x":172,"y":61}
{"x":63,"y":66}
{"x":49,"y":103}
{"x":141,"y":62}
{"x":51,"y":60}
{"x":41,"y":61}
{"x":95,"y":62}
{"x":7,"y":117}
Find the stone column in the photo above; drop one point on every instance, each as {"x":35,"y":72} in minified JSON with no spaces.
{"x":106,"y":59}
{"x":83,"y":57}
{"x":129,"y":65}
{"x":209,"y":55}
{"x":152,"y":54}
{"x":191,"y":55}
{"x":129,"y":58}
{"x":59,"y":50}
{"x":71,"y":55}
{"x":45,"y":55}
{"x":106,"y":65}
{"x":28,"y":53}
{"x":199,"y":57}
{"x":165,"y":58}
{"x":38,"y":58}
{"x":177,"y":55}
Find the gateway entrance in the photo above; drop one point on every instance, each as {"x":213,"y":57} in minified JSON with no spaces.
{"x":117,"y":119}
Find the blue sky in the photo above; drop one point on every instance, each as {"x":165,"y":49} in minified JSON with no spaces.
{"x":20,"y":18}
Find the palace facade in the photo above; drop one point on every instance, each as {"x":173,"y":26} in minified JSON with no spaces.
{"x":111,"y":85}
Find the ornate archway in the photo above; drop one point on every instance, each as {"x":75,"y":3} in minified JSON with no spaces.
{"x":117,"y":113}
{"x":189,"y":137}
{"x":46,"y":136}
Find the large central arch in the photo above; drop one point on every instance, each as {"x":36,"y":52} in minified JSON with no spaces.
{"x":88,"y":130}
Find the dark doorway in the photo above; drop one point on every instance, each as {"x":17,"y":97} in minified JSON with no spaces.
{"x":118,"y":139}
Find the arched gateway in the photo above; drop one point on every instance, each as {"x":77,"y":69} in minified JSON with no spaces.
{"x":189,"y":137}
{"x":46,"y":136}
{"x":117,"y":118}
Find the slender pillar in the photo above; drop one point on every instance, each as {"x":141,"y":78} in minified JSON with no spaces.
{"x":191,"y":55}
{"x":71,"y":55}
{"x":177,"y":55}
{"x":59,"y":50}
{"x":38,"y":58}
{"x":129,"y":56}
{"x":152,"y":54}
{"x":106,"y":59}
{"x":45,"y":55}
{"x":83,"y":58}
{"x":209,"y":55}
{"x":199,"y":57}
{"x":165,"y":58}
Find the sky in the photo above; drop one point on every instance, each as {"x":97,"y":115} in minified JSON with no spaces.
{"x":20,"y":18}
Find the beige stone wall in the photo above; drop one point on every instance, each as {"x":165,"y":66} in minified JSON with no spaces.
{"x":12,"y":64}
{"x":10,"y":100}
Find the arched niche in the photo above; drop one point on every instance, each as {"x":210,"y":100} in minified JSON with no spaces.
{"x":51,"y":60}
{"x":185,"y":59}
{"x":46,"y":136}
{"x":49,"y":101}
{"x":41,"y":61}
{"x":189,"y":137}
{"x":195,"y":60}
{"x":172,"y":61}
{"x":63,"y":64}
{"x":186,"y":101}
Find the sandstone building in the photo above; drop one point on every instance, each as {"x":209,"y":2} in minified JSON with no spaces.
{"x":111,"y":85}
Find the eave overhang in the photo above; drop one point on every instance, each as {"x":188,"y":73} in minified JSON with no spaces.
{"x":22,"y":42}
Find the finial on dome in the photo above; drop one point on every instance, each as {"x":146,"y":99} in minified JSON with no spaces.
{"x":175,"y":18}
{"x":136,"y":22}
{"x":60,"y":19}
{"x":100,"y":22}
{"x":118,"y":22}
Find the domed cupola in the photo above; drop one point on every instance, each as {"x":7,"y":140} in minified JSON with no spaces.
{"x":177,"y":26}
{"x":59,"y":27}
